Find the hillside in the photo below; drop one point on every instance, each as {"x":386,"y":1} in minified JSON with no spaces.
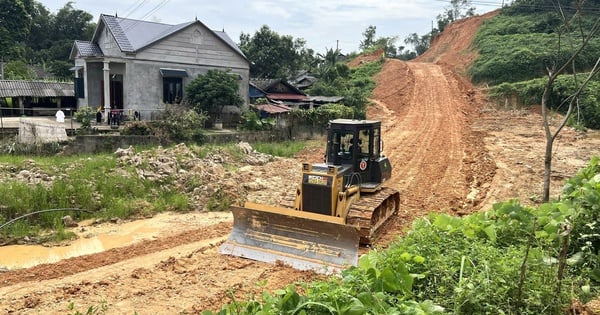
{"x":451,"y":152}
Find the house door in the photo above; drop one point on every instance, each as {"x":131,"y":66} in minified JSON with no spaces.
{"x":116,"y":91}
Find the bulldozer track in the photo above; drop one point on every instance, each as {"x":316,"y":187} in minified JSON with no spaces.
{"x":369,"y":214}
{"x":372,"y":211}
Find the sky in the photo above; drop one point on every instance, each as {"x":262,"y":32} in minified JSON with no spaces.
{"x":323,"y":24}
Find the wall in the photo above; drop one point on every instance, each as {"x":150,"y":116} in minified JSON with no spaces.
{"x":41,"y":130}
{"x":109,"y":143}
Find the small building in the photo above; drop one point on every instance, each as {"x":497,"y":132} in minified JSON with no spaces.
{"x":280,"y":91}
{"x":142,"y":66}
{"x":35,"y":98}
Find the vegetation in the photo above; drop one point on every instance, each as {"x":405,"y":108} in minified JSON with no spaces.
{"x":273,"y":55}
{"x":31,"y":35}
{"x":177,"y":123}
{"x":211,"y":91}
{"x":355,"y":84}
{"x":509,"y":260}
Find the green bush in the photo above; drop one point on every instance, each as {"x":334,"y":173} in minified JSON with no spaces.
{"x":177,"y":123}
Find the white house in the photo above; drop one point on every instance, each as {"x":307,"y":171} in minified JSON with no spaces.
{"x":135,"y":65}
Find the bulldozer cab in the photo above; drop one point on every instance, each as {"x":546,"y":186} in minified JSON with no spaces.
{"x":356,"y":144}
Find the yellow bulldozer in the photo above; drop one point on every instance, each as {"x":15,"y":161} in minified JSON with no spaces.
{"x":338,"y":205}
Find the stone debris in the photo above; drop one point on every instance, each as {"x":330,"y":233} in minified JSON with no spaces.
{"x":254,"y":176}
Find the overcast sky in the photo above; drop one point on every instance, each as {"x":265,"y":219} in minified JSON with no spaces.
{"x":323,"y":24}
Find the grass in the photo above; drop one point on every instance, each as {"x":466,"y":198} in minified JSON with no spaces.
{"x":108,"y":188}
{"x":283,"y":149}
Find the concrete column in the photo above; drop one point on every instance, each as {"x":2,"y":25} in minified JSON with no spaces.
{"x":106,"y":72}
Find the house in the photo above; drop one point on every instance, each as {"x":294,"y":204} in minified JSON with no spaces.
{"x":304,"y":80}
{"x":279,"y":91}
{"x":141,"y":66}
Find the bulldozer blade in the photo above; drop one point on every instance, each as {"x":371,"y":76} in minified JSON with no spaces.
{"x":302,"y":240}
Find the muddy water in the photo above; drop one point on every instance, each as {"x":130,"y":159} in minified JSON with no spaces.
{"x":97,"y":238}
{"x":24,"y":256}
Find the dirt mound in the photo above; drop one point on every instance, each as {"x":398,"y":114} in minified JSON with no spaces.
{"x":364,"y":58}
{"x":452,"y":48}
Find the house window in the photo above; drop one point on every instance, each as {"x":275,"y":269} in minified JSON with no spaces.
{"x":172,"y":90}
{"x":172,"y":85}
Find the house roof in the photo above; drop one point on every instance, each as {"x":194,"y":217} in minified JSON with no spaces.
{"x":325,"y":99}
{"x":87,"y":49}
{"x":14,"y":88}
{"x":134,"y":35}
{"x":286,"y":97}
{"x":269,"y":85}
{"x":273,"y":108}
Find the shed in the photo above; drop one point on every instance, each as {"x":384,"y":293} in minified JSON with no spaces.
{"x":35,"y":98}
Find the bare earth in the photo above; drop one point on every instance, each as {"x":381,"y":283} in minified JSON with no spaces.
{"x":451,"y":152}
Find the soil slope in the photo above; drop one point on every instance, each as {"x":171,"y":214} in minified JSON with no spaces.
{"x":451,"y":152}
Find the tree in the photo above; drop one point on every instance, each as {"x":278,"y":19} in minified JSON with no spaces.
{"x":213,"y":90}
{"x":68,"y":25}
{"x":274,"y":56}
{"x":458,"y":9}
{"x":554,"y":70}
{"x":15,"y":23}
{"x":369,"y":38}
{"x":388,"y":44}
{"x":420,"y":43}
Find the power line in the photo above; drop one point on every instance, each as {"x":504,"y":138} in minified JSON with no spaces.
{"x":149,"y":13}
{"x":134,"y":8}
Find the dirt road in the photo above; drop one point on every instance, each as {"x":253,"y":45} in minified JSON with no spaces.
{"x":451,"y":152}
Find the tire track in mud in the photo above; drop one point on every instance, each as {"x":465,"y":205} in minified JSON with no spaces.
{"x":427,"y":136}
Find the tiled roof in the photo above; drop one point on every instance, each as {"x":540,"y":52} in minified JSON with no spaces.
{"x":13,"y":88}
{"x":286,"y":97}
{"x":88,"y":49}
{"x":133,"y":35}
{"x":273,"y":108}
{"x":112,"y":23}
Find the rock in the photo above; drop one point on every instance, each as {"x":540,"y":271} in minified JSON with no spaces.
{"x":69,"y":222}
{"x":245,"y":147}
{"x":125,"y":152}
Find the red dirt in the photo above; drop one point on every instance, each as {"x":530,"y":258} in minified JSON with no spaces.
{"x":451,"y":152}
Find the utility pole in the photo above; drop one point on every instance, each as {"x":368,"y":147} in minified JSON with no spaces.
{"x":2,"y":68}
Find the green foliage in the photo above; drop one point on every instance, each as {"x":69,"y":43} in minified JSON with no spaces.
{"x":369,"y":38}
{"x":251,"y":121}
{"x":95,"y":184}
{"x":213,"y":90}
{"x":457,"y":9}
{"x":582,"y":196}
{"x":274,"y":55}
{"x":519,"y":47}
{"x":177,"y":123}
{"x":420,"y":43}
{"x":18,"y":70}
{"x":85,"y":115}
{"x":92,"y":310}
{"x":529,"y":92}
{"x":30,"y":33}
{"x":355,"y":85}
{"x":323,"y":114}
{"x":14,"y":27}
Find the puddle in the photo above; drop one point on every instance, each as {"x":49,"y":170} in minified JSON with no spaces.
{"x":95,"y":239}
{"x":24,"y":256}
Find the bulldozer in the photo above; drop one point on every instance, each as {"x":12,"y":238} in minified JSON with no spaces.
{"x":338,"y":205}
